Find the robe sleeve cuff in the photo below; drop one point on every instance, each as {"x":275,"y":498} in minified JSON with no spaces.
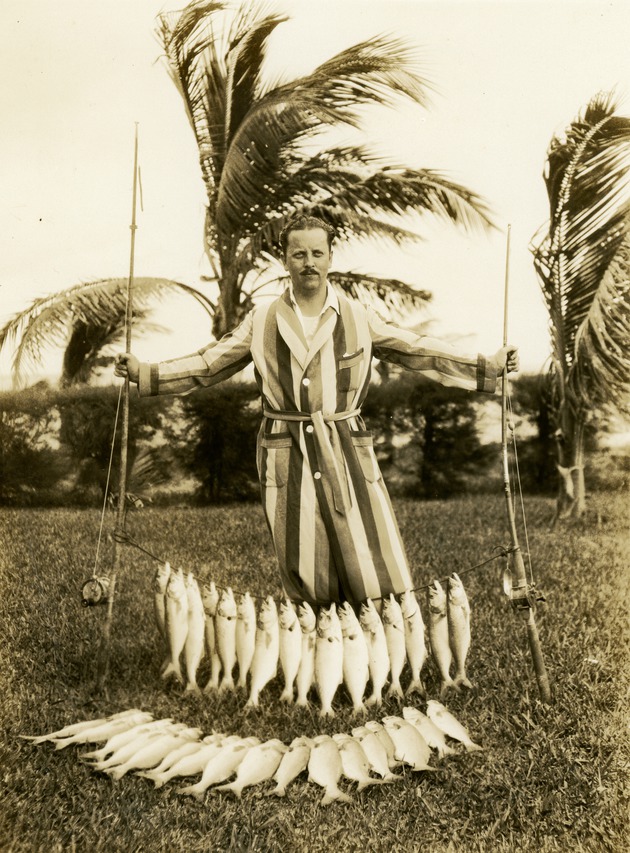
{"x":486,"y":375}
{"x":148,"y":375}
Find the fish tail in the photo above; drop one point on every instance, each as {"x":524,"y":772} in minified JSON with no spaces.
{"x":395,"y":690}
{"x":327,"y":712}
{"x":335,"y":794}
{"x":192,"y":687}
{"x":173,"y":669}
{"x":359,"y":708}
{"x":473,"y":747}
{"x":230,"y":787}
{"x":287,"y":694}
{"x":365,"y":783}
{"x":416,"y":686}
{"x":279,"y":791}
{"x":446,"y":685}
{"x":462,"y":681}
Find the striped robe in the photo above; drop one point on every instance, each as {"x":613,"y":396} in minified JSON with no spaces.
{"x":326,"y":505}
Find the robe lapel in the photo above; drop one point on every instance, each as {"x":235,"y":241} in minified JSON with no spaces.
{"x":291,"y":330}
{"x":324,"y":331}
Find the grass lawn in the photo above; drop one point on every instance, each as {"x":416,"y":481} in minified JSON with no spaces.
{"x":549,"y":778}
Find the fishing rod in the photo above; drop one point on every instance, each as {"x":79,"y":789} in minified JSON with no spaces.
{"x":520,"y":594}
{"x":102,"y":666}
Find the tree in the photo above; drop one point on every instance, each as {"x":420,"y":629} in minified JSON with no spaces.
{"x":263,"y":155}
{"x":583,"y":263}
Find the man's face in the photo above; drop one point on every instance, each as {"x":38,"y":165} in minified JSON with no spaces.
{"x":308,"y":260}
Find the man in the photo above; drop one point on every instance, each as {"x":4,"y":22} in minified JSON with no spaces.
{"x":327,"y":507}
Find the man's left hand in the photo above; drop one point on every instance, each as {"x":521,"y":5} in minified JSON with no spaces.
{"x":508,"y":357}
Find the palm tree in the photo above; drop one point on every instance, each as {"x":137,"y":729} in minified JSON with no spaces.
{"x":263,"y":155}
{"x":582,"y":258}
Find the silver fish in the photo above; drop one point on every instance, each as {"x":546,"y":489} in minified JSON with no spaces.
{"x":451,"y":727}
{"x":176,"y":623}
{"x":122,"y":738}
{"x":290,"y":647}
{"x":260,"y":763}
{"x":245,"y":637}
{"x":294,"y":761}
{"x":194,"y":645}
{"x":188,"y":765}
{"x":153,"y":752}
{"x":385,"y":738}
{"x":354,"y":762}
{"x":411,"y":748}
{"x":306,"y":670}
{"x":394,"y":626}
{"x":434,"y":736}
{"x":375,"y":752}
{"x":267,"y":650}
{"x":378,"y":656}
{"x":438,"y":635}
{"x":221,"y":766}
{"x":159,"y":592}
{"x":328,"y":658}
{"x":355,"y":657}
{"x":325,"y":769}
{"x":210,"y":598}
{"x":415,"y":644}
{"x":458,"y":611}
{"x":225,"y":634}
{"x":77,"y":728}
{"x":103,"y":731}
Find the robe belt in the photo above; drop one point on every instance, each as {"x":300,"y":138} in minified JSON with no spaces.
{"x":327,"y":447}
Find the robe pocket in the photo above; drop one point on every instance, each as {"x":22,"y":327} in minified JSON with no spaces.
{"x":275,"y":454}
{"x":363,"y":444}
{"x":349,"y":370}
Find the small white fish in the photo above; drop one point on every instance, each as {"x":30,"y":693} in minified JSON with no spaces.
{"x":103,"y":731}
{"x":451,"y":727}
{"x":160,"y":581}
{"x":434,"y":736}
{"x":225,"y":635}
{"x":245,"y":637}
{"x":122,"y":738}
{"x":438,"y":635}
{"x":294,"y":761}
{"x":124,"y":751}
{"x":267,"y":650}
{"x":260,"y":763}
{"x":194,"y":645}
{"x":385,"y":738}
{"x":328,"y":658}
{"x":458,"y":611}
{"x":290,"y":647}
{"x":378,"y":656}
{"x":325,"y":769}
{"x":306,"y":670}
{"x":355,"y":657}
{"x":191,"y":764}
{"x":411,"y":748}
{"x":176,"y":623}
{"x":210,"y":598}
{"x":394,"y":627}
{"x":77,"y":728}
{"x":188,"y":748}
{"x":415,"y":644}
{"x":354,"y":762}
{"x":375,"y":752}
{"x":221,"y":766}
{"x":153,"y":752}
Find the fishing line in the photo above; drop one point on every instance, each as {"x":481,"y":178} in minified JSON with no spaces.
{"x":520,"y":491}
{"x":109,"y":472}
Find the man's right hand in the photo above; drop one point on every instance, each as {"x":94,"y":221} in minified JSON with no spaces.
{"x":127,"y":365}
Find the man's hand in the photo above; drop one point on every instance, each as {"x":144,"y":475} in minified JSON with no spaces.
{"x":508,"y":357}
{"x":127,"y":365}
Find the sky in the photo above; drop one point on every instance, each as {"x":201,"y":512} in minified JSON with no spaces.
{"x":77,"y":78}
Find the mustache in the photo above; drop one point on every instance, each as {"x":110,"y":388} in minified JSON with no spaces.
{"x":309,"y":272}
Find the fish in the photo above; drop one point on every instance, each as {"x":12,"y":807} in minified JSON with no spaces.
{"x":378,"y":656}
{"x":259,"y":765}
{"x":434,"y":736}
{"x":122,"y":738}
{"x":225,"y":637}
{"x":266,"y":650}
{"x":293,"y":762}
{"x":77,"y":728}
{"x":290,"y":647}
{"x":210,"y":598}
{"x":394,"y":627}
{"x":220,"y":767}
{"x":325,"y":769}
{"x":153,"y":752}
{"x":128,"y":750}
{"x":410,"y":747}
{"x":328,"y":658}
{"x":245,"y":637}
{"x":191,"y":764}
{"x":438,"y":635}
{"x":176,"y":623}
{"x":458,"y":614}
{"x":188,"y":748}
{"x":160,"y":582}
{"x":354,"y":762}
{"x":195,"y":640}
{"x":355,"y":657}
{"x":306,"y":670}
{"x":415,"y":644}
{"x":451,"y":727}
{"x":386,"y":740}
{"x":104,"y":731}
{"x":375,"y":752}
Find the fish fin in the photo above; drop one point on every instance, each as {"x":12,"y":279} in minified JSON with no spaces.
{"x":446,"y":686}
{"x":365,"y":783}
{"x":395,"y":690}
{"x":416,"y":686}
{"x":229,"y":788}
{"x":193,"y":687}
{"x":279,"y":791}
{"x":287,"y":695}
{"x":473,"y":747}
{"x":330,"y":797}
{"x":174,"y":670}
{"x":327,"y":712}
{"x":462,"y":681}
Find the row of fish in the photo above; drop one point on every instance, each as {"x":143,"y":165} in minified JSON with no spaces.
{"x":162,"y":750}
{"x":320,"y":650}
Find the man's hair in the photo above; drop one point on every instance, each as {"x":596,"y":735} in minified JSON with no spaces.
{"x":302,"y":222}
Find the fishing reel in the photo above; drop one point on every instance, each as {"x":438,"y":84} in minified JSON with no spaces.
{"x":95,"y":591}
